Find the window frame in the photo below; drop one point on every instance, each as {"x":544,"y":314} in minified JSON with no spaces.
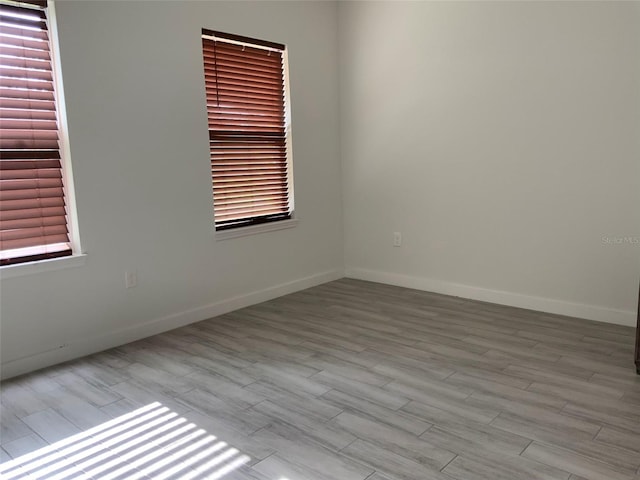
{"x":261,"y":224}
{"x":31,"y":263}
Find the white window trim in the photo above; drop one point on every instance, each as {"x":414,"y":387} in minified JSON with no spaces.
{"x":255,"y":229}
{"x":40,"y":266}
{"x":287,"y":126}
{"x":63,"y":132}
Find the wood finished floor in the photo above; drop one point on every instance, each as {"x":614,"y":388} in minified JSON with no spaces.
{"x":348,"y":381}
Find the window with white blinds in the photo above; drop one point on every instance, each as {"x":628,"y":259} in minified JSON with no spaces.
{"x":248,"y":130}
{"x":33,"y":215}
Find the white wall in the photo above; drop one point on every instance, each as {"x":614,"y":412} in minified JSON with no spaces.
{"x":503,"y":141}
{"x":134,"y":85}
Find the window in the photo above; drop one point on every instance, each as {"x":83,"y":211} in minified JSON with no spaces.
{"x":33,"y":215}
{"x":249,"y":131}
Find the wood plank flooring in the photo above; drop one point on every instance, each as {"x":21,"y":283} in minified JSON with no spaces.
{"x":349,"y":380}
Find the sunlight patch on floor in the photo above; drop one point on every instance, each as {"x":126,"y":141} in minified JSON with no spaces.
{"x":151,"y":442}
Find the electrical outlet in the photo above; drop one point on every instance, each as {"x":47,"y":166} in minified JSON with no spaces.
{"x":130,"y":279}
{"x":397,"y":239}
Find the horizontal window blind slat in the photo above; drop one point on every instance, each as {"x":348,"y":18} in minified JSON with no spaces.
{"x":27,"y":83}
{"x":249,"y":158}
{"x":248,"y":108}
{"x":243,"y":142}
{"x":237,"y":190}
{"x":13,"y":143}
{"x":248,"y":129}
{"x":34,"y":222}
{"x":243,"y":217}
{"x":266,"y":195}
{"x":31,"y":214}
{"x":230,"y":86}
{"x":231,"y":111}
{"x":229,"y":153}
{"x":213,"y":65}
{"x":249,"y":209}
{"x":27,"y":104}
{"x":10,"y":11}
{"x":247,"y":86}
{"x":25,"y":93}
{"x":30,"y":134}
{"x":241,"y":137}
{"x":36,"y":173}
{"x":248,"y":175}
{"x":34,"y":241}
{"x":246,"y":126}
{"x":30,"y":183}
{"x":237,"y":57}
{"x":41,"y":66}
{"x":252,"y":202}
{"x":33,"y":232}
{"x":243,"y":123}
{"x":35,"y":3}
{"x":262,"y":62}
{"x":22,"y":23}
{"x":248,"y":169}
{"x":220,"y":65}
{"x":250,"y":94}
{"x":24,"y":156}
{"x":272,"y":141}
{"x":27,"y":124}
{"x":226,"y":114}
{"x":244,"y":164}
{"x":35,"y":193}
{"x":242,"y":54}
{"x":17,"y":71}
{"x":248,"y":213}
{"x":22,"y":37}
{"x":27,"y":114}
{"x":231,"y":147}
{"x":221,"y":77}
{"x":231,"y":98}
{"x":25,"y":47}
{"x":256,"y":188}
{"x":8,"y":167}
{"x":25,"y":204}
{"x":244,"y":185}
{"x":221,"y":61}
{"x":7,"y":30}
{"x":29,"y":48}
{"x":222,"y":179}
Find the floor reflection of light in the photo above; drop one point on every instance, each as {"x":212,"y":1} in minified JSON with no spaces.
{"x":169,"y":457}
{"x":78,"y":442}
{"x":93,"y":466}
{"x":151,"y":441}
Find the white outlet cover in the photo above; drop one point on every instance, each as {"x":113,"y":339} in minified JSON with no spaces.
{"x":397,"y":239}
{"x":130,"y":279}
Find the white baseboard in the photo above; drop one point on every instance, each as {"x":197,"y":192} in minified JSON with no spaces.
{"x":549,"y":305}
{"x":153,"y":327}
{"x":159,"y":325}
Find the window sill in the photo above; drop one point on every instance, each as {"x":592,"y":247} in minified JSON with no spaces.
{"x":29,"y":268}
{"x":255,"y":229}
